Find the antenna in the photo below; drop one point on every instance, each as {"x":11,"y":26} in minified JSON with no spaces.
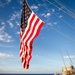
{"x":63,"y":59}
{"x":69,"y":58}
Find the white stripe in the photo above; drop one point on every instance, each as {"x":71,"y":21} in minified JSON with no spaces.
{"x":32,"y":25}
{"x":23,"y":63}
{"x":34,"y":32}
{"x":27,"y":25}
{"x":21,"y":48}
{"x":28,"y":44}
{"x":28,"y":56}
{"x":23,"y":53}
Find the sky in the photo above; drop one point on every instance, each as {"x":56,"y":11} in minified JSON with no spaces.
{"x":54,"y":43}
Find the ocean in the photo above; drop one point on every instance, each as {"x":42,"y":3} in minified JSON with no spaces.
{"x":26,"y":74}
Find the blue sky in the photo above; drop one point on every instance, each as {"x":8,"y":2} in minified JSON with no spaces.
{"x":57,"y":34}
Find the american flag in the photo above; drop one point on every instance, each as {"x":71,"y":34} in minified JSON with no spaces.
{"x":29,"y":30}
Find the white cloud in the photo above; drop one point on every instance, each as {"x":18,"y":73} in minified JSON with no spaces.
{"x":2,"y":23}
{"x":15,"y":15}
{"x":2,"y":28}
{"x":10,"y":23}
{"x":72,"y":56}
{"x":46,"y":15}
{"x":18,"y":24}
{"x":37,"y":55}
{"x":2,"y":4}
{"x":60,"y":8}
{"x":53,"y":10}
{"x":18,"y":32}
{"x":4,"y":55}
{"x":20,"y":1}
{"x":34,"y":7}
{"x":50,"y":24}
{"x":60,"y":16}
{"x":13,"y":7}
{"x":4,"y":45}
{"x":8,"y":1}
{"x":55,"y":23}
{"x":5,"y":37}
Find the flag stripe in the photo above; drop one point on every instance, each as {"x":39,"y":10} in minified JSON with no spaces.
{"x":29,"y":30}
{"x":35,"y":31}
{"x":32,"y":28}
{"x":28,"y":25}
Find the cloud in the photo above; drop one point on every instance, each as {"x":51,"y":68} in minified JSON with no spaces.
{"x":15,"y":15}
{"x":55,"y":23}
{"x":18,"y":24}
{"x":5,"y":37}
{"x":18,"y":32}
{"x":20,"y":1}
{"x":49,"y":24}
{"x":10,"y":23}
{"x":2,"y":4}
{"x":67,"y":57}
{"x":53,"y":10}
{"x":60,"y":16}
{"x":2,"y":23}
{"x":46,"y":15}
{"x":8,"y":46}
{"x":4,"y":55}
{"x":8,"y":1}
{"x":36,"y":55}
{"x":34,"y":7}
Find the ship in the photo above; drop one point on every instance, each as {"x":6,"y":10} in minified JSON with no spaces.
{"x":67,"y":70}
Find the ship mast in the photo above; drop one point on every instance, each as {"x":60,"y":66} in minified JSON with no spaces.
{"x":63,"y":59}
{"x":69,"y":58}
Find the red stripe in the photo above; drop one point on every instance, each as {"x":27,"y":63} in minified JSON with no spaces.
{"x":30,"y":51}
{"x":22,"y":48}
{"x":29,"y":26}
{"x":30,"y":54}
{"x":33,"y":29}
{"x":38,"y":30}
{"x":23,"y":45}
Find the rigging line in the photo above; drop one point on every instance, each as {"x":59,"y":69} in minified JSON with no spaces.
{"x":69,"y":58}
{"x":54,"y":28}
{"x":63,"y":59}
{"x":63,"y":34}
{"x":67,"y":23}
{"x":61,"y":9}
{"x":64,"y":5}
{"x":66,"y":9}
{"x":67,"y":12}
{"x":56,"y":16}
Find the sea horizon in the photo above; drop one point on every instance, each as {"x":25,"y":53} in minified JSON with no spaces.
{"x":24,"y":74}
